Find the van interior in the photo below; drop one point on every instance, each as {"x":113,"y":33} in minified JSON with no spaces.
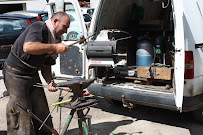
{"x":137,"y":36}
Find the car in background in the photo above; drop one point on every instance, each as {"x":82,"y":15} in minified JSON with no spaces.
{"x":11,"y":26}
{"x":89,"y":11}
{"x":87,"y":19}
{"x":41,"y":15}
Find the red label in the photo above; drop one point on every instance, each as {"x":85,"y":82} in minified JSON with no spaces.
{"x":95,"y":62}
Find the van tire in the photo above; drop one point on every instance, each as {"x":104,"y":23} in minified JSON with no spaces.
{"x":198,"y":115}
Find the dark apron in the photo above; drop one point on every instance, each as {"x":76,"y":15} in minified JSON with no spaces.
{"x":20,"y":87}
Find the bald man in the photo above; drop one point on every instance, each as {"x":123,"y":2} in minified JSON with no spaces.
{"x":35,"y":49}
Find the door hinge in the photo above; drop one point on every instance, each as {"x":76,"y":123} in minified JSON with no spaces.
{"x":199,"y":45}
{"x":177,"y":50}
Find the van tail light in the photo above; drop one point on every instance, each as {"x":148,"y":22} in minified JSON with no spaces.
{"x":39,"y":17}
{"x":29,"y":22}
{"x":189,"y":65}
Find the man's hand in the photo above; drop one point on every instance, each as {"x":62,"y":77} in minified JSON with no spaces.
{"x":61,"y":48}
{"x":52,"y":87}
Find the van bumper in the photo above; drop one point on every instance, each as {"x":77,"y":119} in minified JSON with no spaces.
{"x":160,"y":100}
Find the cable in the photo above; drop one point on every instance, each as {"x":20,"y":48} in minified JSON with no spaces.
{"x":119,"y":31}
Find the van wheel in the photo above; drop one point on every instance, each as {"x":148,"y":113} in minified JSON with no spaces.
{"x":198,"y":115}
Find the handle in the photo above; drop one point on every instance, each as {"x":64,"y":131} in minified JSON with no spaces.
{"x":80,"y":41}
{"x":74,"y":43}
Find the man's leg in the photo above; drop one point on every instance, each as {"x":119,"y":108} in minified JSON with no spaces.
{"x":18,"y":121}
{"x":40,"y":108}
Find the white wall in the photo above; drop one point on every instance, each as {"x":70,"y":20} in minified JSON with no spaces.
{"x":39,"y":4}
{"x":36,"y":5}
{"x":93,"y":3}
{"x":30,"y":4}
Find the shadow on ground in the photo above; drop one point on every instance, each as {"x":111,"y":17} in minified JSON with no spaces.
{"x":162,"y":116}
{"x":107,"y":127}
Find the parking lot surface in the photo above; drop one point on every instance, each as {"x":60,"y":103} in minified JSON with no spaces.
{"x":107,"y":118}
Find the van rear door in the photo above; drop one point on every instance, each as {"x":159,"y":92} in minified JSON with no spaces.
{"x":177,"y":6}
{"x":71,"y":63}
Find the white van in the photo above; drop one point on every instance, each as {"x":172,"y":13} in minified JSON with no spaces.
{"x":145,"y":52}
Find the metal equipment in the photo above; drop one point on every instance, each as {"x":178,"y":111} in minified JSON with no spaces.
{"x":35,"y":117}
{"x":78,"y":103}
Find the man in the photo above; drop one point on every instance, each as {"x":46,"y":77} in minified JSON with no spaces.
{"x":35,"y":49}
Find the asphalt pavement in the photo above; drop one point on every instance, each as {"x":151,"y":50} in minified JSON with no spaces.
{"x":108,"y":118}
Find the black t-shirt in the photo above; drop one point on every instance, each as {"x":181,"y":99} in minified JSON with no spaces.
{"x":37,"y":32}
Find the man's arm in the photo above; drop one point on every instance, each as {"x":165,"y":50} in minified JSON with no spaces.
{"x":47,"y":75}
{"x":38,"y":48}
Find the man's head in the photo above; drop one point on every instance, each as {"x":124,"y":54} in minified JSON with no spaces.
{"x":61,"y":23}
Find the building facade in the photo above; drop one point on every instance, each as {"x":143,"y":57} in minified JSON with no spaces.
{"x":38,"y":5}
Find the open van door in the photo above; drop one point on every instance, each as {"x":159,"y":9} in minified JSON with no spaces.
{"x":71,"y":63}
{"x":179,"y":66}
